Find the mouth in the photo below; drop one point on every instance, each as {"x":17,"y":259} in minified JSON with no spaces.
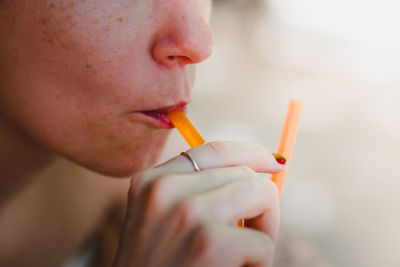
{"x":159,"y":116}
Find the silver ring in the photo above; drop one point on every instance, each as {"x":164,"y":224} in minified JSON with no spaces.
{"x":191,"y":159}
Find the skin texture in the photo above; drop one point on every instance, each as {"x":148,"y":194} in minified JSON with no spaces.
{"x":181,"y":218}
{"x":73,"y":77}
{"x":76,"y":72}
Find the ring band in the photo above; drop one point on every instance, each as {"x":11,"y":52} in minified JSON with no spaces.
{"x":191,"y":159}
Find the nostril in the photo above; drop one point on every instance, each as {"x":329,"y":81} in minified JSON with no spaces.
{"x":181,"y":60}
{"x":183,"y":47}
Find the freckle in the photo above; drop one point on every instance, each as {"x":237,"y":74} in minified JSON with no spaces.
{"x":65,"y":47}
{"x":51,"y":41}
{"x":43,"y":21}
{"x":107,"y":28}
{"x":61,"y":8}
{"x":119,"y":19}
{"x":96,"y":21}
{"x":183,"y":17}
{"x":52,"y":6}
{"x":88,"y":66}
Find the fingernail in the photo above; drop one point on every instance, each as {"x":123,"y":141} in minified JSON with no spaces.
{"x":280,"y":159}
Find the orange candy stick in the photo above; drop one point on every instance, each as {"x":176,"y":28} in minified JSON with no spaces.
{"x":288,"y":138}
{"x":185,"y":127}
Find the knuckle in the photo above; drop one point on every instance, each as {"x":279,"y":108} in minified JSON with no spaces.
{"x":136,"y":185}
{"x":218,"y":147}
{"x":247,"y":171}
{"x":256,"y":148}
{"x":263,"y":256}
{"x":204,"y":241}
{"x":266,"y":241}
{"x":268,"y":247}
{"x":264,"y":187}
{"x":251,"y":184}
{"x":271,"y":188}
{"x":255,"y":145}
{"x":157,"y":192}
{"x":260,"y":148}
{"x":187,"y":212}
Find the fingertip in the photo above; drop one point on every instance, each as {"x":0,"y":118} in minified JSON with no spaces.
{"x":279,"y":158}
{"x":279,"y":163}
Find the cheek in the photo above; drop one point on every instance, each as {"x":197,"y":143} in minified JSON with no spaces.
{"x":76,"y":86}
{"x":76,"y":40}
{"x":80,"y":56}
{"x":97,"y":56}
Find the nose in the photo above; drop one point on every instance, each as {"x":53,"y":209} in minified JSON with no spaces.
{"x":184,"y":37}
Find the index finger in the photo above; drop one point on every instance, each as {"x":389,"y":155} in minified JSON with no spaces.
{"x":225,"y":154}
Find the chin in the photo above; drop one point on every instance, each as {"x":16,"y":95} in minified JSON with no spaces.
{"x":121,"y":170}
{"x":128,"y":163}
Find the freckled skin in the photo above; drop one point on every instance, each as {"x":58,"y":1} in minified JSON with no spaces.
{"x":73,"y":73}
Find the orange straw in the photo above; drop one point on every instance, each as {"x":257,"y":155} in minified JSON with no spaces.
{"x":288,"y":138}
{"x":185,"y":127}
{"x":189,"y":133}
{"x":286,"y":144}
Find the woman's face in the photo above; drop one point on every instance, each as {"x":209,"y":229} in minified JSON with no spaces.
{"x":75,"y":74}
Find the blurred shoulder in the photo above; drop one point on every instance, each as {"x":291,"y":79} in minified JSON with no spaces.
{"x":108,"y":196}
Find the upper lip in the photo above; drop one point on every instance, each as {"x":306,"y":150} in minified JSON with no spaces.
{"x":179,"y":106}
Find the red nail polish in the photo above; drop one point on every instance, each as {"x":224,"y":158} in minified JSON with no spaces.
{"x":280,"y":159}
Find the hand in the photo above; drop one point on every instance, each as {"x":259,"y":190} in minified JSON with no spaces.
{"x":178,"y":217}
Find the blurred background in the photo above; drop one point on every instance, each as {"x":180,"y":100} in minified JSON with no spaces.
{"x":340,"y":57}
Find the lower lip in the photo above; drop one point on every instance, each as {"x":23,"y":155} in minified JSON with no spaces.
{"x":161,"y":120}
